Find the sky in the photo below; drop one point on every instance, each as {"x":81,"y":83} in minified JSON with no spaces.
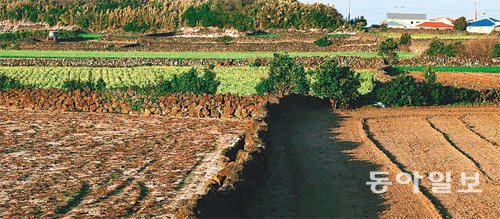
{"x":375,"y":11}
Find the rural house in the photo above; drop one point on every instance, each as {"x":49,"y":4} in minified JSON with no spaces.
{"x":437,"y":24}
{"x":484,"y":25}
{"x":404,"y":20}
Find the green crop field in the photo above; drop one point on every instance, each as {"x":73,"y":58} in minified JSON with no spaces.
{"x":483,"y":69}
{"x":236,"y":80}
{"x":175,"y":55}
{"x":432,"y":36}
{"x":91,"y":36}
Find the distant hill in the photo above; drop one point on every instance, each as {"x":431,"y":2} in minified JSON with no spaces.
{"x":160,"y":15}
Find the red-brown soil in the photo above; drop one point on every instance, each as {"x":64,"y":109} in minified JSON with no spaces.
{"x":480,"y":125}
{"x":119,"y":165}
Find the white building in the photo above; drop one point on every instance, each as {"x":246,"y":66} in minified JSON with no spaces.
{"x":404,"y":20}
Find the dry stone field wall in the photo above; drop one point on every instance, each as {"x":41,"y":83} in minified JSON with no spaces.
{"x":128,"y":102}
{"x":353,"y":62}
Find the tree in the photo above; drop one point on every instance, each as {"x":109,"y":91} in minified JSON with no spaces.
{"x":438,"y":48}
{"x":285,"y":76}
{"x":339,"y":84}
{"x":387,"y":49}
{"x":460,"y":24}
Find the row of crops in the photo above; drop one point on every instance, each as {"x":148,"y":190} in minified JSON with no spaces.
{"x":236,"y":80}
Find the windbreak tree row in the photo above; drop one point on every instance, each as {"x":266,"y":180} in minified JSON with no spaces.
{"x":153,"y":15}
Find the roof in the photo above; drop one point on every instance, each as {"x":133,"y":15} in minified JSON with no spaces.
{"x":435,"y":24}
{"x":406,"y":16}
{"x":485,"y":22}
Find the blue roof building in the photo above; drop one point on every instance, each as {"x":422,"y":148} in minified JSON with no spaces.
{"x":484,"y":25}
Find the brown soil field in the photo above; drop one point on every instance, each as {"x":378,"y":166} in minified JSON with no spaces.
{"x":106,"y":165}
{"x":427,"y":139}
{"x":477,"y":124}
{"x":467,"y":80}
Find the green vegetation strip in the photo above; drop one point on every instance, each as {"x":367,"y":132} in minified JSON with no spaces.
{"x":236,"y":80}
{"x":482,"y":69}
{"x":176,"y":55}
{"x":92,"y":36}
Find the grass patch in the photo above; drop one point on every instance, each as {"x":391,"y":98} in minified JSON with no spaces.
{"x":177,"y":55}
{"x":482,"y":69}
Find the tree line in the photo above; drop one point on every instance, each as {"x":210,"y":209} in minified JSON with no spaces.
{"x":156,"y":15}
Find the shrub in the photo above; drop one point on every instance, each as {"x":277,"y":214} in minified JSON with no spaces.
{"x":495,"y":52}
{"x":460,"y":24}
{"x":7,"y":83}
{"x":387,"y":49}
{"x":285,"y":76}
{"x":438,"y":48}
{"x":190,"y":82}
{"x":111,"y":46}
{"x":430,"y":75}
{"x":405,"y":39}
{"x":225,"y":39}
{"x":336,"y":83}
{"x":406,"y":91}
{"x":258,"y":33}
{"x":323,"y":42}
{"x":401,"y":91}
{"x":100,"y":85}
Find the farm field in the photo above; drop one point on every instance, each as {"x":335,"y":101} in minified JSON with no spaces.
{"x":105,"y":165}
{"x":455,"y":139}
{"x":176,"y":55}
{"x":236,"y":80}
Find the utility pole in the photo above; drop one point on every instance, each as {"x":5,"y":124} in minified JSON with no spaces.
{"x":349,"y":16}
{"x":475,"y":9}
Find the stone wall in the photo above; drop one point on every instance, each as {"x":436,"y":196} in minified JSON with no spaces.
{"x":354,"y":62}
{"x":128,"y":102}
{"x":226,"y":195}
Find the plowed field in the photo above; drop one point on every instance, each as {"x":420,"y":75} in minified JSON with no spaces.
{"x":424,"y":140}
{"x":105,"y":165}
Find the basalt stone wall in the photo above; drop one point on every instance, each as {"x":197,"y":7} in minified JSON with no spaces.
{"x":354,"y":62}
{"x":490,"y":95}
{"x":228,"y":193}
{"x":129,"y":102}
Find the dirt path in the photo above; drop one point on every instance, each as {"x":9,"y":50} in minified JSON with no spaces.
{"x":319,"y":163}
{"x":309,"y":175}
